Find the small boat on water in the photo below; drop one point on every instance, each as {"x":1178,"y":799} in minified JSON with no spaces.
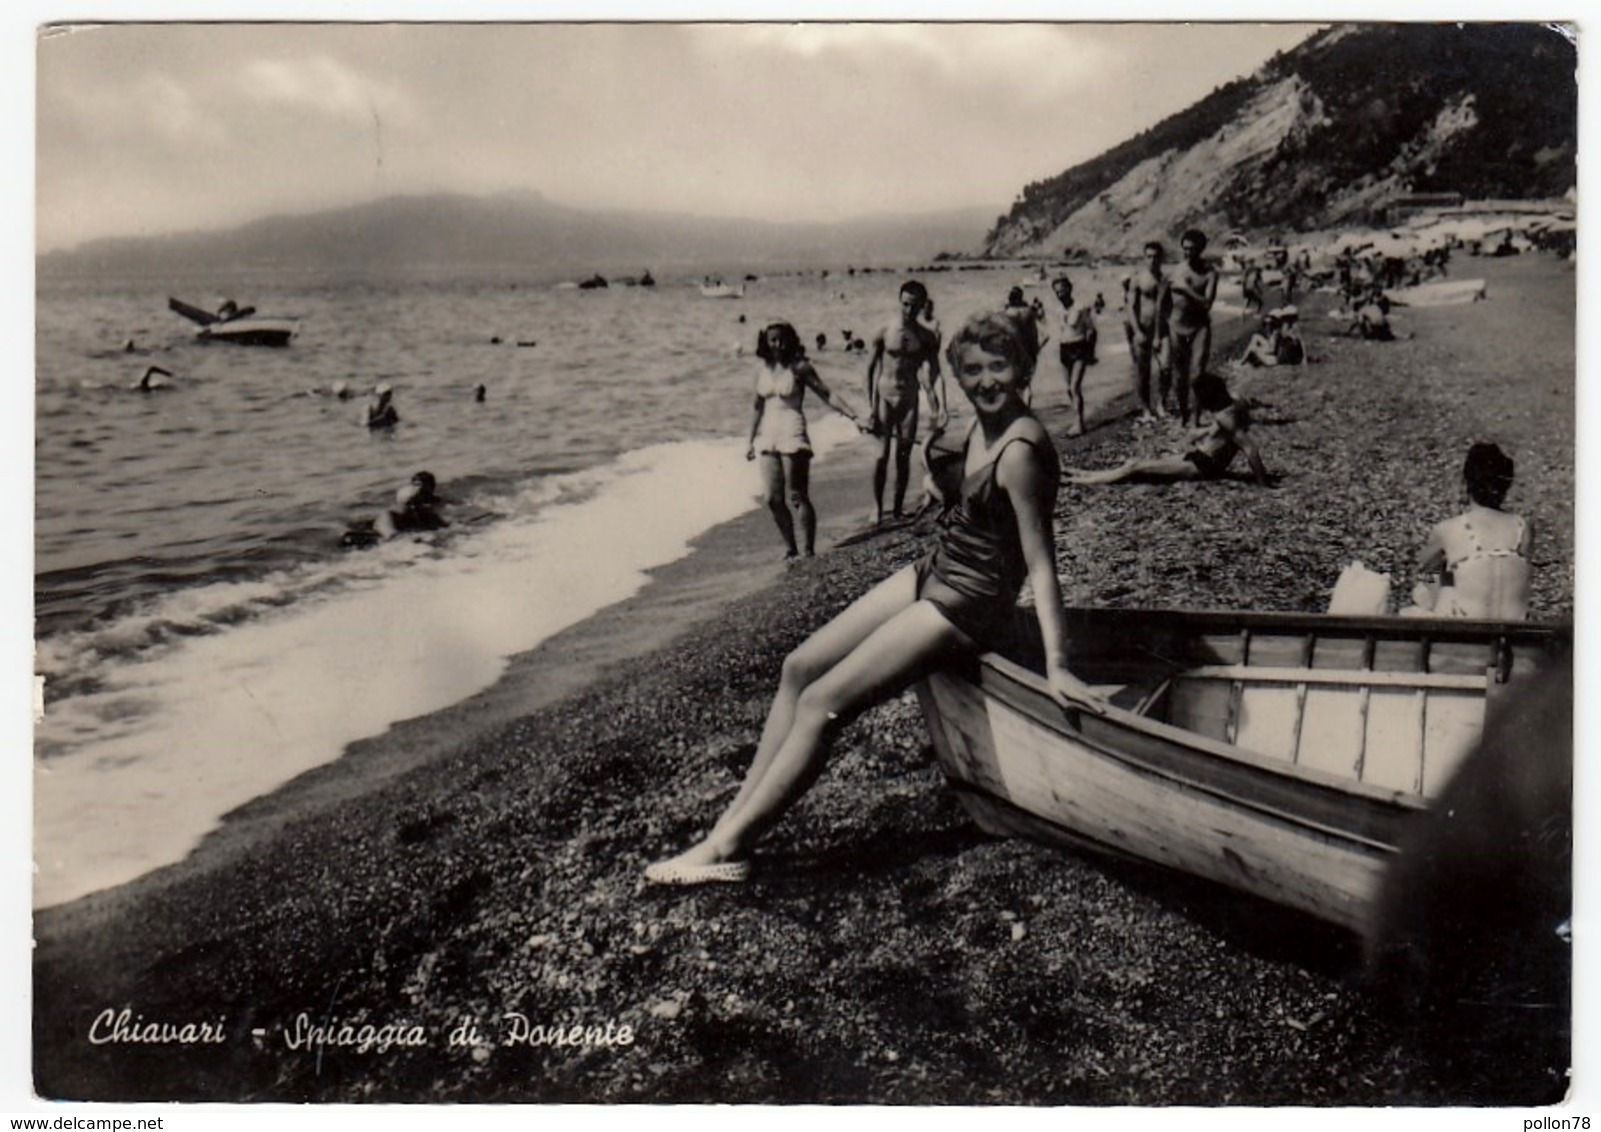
{"x":1439,"y":293}
{"x":722,"y":291}
{"x":1279,"y":754}
{"x":235,"y":324}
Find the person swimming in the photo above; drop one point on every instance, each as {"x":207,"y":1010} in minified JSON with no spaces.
{"x":380,"y":411}
{"x":416,"y":509}
{"x":151,"y":381}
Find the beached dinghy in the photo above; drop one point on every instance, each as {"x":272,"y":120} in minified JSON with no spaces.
{"x":1281,"y":754}
{"x":1440,"y":293}
{"x":235,"y":324}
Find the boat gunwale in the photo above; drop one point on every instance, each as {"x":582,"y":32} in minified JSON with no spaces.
{"x":1025,"y":691}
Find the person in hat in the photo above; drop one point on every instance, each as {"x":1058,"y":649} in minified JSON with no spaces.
{"x":1288,"y":348}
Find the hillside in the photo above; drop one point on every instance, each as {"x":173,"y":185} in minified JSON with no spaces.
{"x":1324,"y":135}
{"x":523,"y":232}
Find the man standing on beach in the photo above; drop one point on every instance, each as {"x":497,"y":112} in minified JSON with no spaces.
{"x":1075,"y":347}
{"x":1189,"y":294}
{"x":900,"y":352}
{"x":1146,"y":330}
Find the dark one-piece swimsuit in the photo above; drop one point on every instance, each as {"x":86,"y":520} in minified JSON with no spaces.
{"x":974,"y":573}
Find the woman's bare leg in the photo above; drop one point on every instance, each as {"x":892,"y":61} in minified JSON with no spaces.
{"x":773,"y":495}
{"x":1160,"y":468}
{"x":1075,"y":396}
{"x":798,"y":474}
{"x":815,"y":656}
{"x":903,"y":648}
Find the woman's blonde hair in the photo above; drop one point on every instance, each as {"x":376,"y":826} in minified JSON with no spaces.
{"x":998,"y":333}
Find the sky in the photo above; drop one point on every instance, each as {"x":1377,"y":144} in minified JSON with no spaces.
{"x":147,"y":128}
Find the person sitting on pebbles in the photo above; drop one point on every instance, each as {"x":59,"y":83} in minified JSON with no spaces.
{"x":1371,"y":319}
{"x":1213,"y":446}
{"x":1481,"y":555}
{"x":942,"y":610}
{"x":1277,"y":344}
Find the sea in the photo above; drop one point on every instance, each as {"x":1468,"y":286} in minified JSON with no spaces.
{"x":202,"y":636}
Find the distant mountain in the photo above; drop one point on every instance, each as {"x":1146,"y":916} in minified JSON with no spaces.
{"x":1323,"y":135}
{"x":524,"y":232}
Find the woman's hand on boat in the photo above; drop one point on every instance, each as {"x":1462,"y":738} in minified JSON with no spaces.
{"x":1071,"y":692}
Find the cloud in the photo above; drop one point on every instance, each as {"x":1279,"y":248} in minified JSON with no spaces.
{"x":323,"y":86}
{"x":1033,"y":62}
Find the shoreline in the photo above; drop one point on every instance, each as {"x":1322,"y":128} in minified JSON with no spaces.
{"x":412,"y":874}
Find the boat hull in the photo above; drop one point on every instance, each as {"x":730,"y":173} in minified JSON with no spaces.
{"x":249,"y":332}
{"x":1253,"y":787}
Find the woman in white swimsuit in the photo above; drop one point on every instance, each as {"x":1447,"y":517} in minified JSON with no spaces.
{"x":778,"y":432}
{"x":1481,"y":555}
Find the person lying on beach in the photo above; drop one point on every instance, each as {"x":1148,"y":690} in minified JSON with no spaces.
{"x":778,"y":432}
{"x":1212,"y":446}
{"x":380,"y":411}
{"x":939,"y":611}
{"x":901,"y":351}
{"x":1482,"y":555}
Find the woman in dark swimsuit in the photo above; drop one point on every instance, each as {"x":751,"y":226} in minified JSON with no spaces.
{"x":924,"y":616}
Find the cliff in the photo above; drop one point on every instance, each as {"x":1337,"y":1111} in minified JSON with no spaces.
{"x":1323,"y":135}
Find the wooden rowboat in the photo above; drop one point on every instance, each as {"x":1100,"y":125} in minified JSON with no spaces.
{"x":1279,"y":754}
{"x":237,"y":325}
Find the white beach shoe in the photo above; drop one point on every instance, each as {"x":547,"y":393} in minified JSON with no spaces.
{"x":676,"y":871}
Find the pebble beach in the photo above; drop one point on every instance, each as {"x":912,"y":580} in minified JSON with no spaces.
{"x":453,"y":911}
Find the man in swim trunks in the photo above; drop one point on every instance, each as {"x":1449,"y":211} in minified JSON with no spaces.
{"x":1075,"y":347}
{"x":900,"y":352}
{"x":1146,"y":330}
{"x":1190,"y":292}
{"x":1213,"y":447}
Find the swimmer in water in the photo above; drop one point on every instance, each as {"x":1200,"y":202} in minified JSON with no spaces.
{"x":151,"y":382}
{"x":418,"y":509}
{"x":380,"y":411}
